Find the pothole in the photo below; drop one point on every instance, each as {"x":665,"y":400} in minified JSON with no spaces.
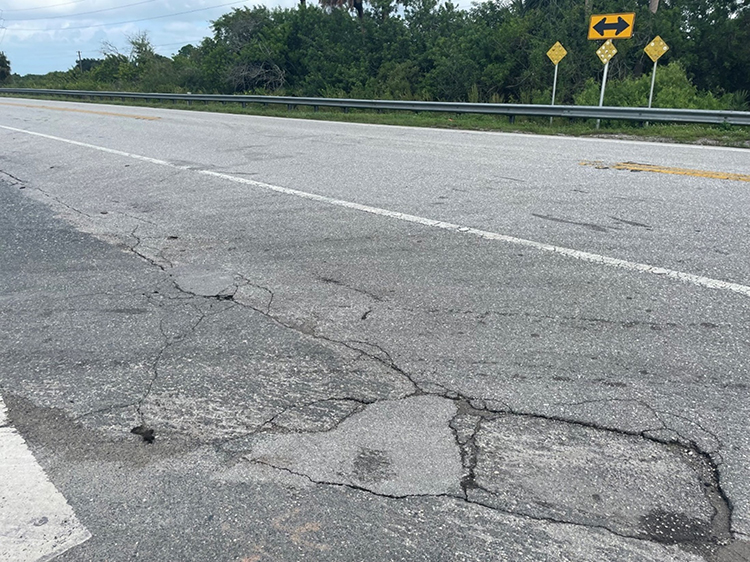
{"x":552,"y":470}
{"x":587,"y":476}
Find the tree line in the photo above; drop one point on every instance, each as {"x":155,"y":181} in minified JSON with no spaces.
{"x":432,"y":50}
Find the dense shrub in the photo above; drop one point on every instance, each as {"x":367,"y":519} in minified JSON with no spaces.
{"x":430,"y":50}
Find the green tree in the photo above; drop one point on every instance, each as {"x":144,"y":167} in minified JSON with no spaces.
{"x":87,"y":64}
{"x":716,"y":42}
{"x":430,"y":49}
{"x":4,"y":68}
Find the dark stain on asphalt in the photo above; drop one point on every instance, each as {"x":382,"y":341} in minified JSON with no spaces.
{"x":673,"y":528}
{"x":146,"y":433}
{"x":372,"y":465}
{"x":612,"y":384}
{"x":632,"y":223}
{"x":589,"y":225}
{"x":77,"y":440}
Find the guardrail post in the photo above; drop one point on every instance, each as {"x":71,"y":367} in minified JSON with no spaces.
{"x":511,"y":119}
{"x":244,"y":104}
{"x":316,"y":108}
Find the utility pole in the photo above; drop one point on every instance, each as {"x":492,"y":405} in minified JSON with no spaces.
{"x":80,"y":62}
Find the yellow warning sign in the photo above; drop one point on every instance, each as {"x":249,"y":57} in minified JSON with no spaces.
{"x":557,"y":53}
{"x":656,"y":48}
{"x":611,"y":26}
{"x":606,"y":51}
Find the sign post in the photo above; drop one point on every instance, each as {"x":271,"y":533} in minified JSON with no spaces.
{"x":605,"y":53}
{"x":609,"y":26}
{"x":556,"y":53}
{"x":655,"y":50}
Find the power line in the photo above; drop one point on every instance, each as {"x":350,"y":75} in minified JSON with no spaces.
{"x":183,"y":43}
{"x":130,"y":21}
{"x":64,"y":55}
{"x":85,"y":13}
{"x":45,"y":7}
{"x":89,"y":53}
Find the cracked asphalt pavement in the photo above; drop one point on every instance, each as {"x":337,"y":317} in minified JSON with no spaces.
{"x":253,"y":339}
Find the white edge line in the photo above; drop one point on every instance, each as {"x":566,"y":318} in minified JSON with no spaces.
{"x":28,"y":493}
{"x":617,"y":263}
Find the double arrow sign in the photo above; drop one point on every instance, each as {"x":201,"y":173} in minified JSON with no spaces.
{"x":611,"y":26}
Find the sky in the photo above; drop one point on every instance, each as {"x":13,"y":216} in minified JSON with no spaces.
{"x":39,"y":36}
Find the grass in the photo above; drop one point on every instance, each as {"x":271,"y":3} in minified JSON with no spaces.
{"x":718,"y":135}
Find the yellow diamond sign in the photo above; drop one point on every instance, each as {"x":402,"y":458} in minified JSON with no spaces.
{"x":606,"y":51}
{"x":557,"y":53}
{"x":656,"y":48}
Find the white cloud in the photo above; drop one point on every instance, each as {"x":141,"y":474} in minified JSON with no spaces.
{"x":39,"y":36}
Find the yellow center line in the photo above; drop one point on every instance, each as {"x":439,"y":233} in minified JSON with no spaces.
{"x":635,"y":167}
{"x":147,"y":118}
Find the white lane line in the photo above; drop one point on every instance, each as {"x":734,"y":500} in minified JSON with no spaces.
{"x":598,"y":259}
{"x":36,"y":522}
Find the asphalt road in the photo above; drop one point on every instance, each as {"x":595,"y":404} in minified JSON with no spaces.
{"x":354,"y":342}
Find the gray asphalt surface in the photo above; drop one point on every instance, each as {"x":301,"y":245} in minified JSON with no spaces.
{"x":330,"y":384}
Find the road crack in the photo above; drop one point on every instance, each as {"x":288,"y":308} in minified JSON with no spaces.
{"x":168,"y":342}
{"x":16,"y":180}
{"x":476,"y":410}
{"x":135,"y":250}
{"x":453,"y":497}
{"x":339,"y":283}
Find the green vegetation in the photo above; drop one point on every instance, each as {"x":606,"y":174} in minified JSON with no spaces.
{"x":430,"y":50}
{"x":4,"y":68}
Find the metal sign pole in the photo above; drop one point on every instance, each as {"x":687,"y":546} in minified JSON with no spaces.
{"x":651,"y":93}
{"x":653,"y":81}
{"x":554,"y":90}
{"x":556,"y":53}
{"x":601,"y":96}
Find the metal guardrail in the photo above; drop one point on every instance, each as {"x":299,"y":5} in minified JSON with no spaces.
{"x":509,"y":109}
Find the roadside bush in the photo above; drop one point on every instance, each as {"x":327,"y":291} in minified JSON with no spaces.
{"x":673,"y":89}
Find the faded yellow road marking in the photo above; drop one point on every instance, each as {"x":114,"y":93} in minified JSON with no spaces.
{"x":635,"y":167}
{"x":147,"y":118}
